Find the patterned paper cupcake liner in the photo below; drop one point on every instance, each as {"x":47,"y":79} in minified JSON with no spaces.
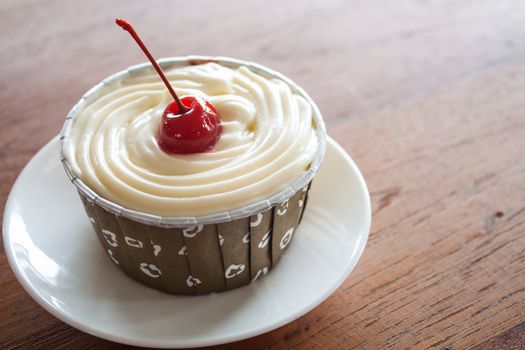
{"x":197,"y":255}
{"x":198,"y":259}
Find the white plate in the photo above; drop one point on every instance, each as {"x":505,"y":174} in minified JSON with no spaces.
{"x":57,"y":259}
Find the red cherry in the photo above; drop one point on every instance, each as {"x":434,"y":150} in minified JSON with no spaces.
{"x":196,"y":130}
{"x":190,"y":124}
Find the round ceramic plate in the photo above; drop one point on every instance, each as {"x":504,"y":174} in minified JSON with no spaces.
{"x":57,"y":259}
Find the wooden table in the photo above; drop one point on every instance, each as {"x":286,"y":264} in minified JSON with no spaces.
{"x":428,"y":97}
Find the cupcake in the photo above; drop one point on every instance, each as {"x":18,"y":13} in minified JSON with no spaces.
{"x":196,"y":222}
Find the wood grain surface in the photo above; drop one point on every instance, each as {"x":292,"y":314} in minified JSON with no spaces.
{"x":427,"y":96}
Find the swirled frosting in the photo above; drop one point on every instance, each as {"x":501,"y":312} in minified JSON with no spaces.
{"x":268,"y":141}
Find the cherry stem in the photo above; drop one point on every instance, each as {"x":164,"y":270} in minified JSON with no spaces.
{"x":129,"y":28}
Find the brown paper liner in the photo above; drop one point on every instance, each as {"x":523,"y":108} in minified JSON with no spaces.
{"x":198,"y":259}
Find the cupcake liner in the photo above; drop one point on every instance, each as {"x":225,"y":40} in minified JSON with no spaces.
{"x":198,"y":259}
{"x":203,"y":254}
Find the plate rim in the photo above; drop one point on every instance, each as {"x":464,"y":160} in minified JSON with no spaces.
{"x":192,"y":342}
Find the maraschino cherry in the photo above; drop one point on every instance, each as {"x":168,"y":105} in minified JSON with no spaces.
{"x":189,"y":124}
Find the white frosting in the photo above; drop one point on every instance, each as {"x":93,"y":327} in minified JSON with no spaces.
{"x":268,"y":141}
